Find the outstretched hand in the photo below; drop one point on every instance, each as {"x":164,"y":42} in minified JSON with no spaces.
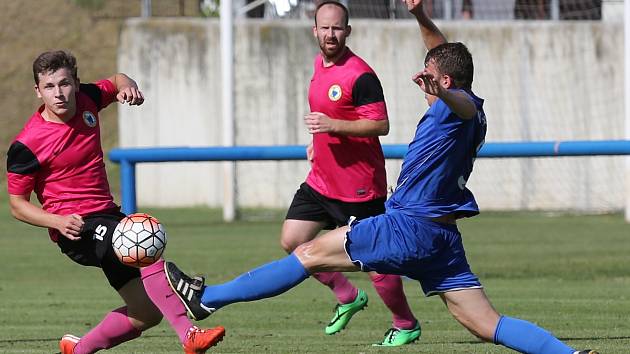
{"x":428,"y":83}
{"x":130,"y":95}
{"x":414,"y":6}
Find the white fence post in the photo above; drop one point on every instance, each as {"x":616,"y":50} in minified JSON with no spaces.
{"x":555,"y":10}
{"x":448,"y":9}
{"x":227,"y":105}
{"x":626,"y":25}
{"x":145,"y":11}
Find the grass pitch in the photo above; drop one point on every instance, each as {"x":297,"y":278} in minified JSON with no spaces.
{"x":569,"y":274}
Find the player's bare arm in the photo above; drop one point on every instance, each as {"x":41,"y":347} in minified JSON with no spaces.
{"x":431,"y":35}
{"x":69,"y":226}
{"x":458,"y":101}
{"x":128,"y":91}
{"x":317,"y":122}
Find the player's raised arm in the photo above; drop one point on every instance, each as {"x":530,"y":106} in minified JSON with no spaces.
{"x":458,"y":101}
{"x":128,"y":91}
{"x":431,"y":35}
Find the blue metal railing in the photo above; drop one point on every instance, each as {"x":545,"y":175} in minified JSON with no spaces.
{"x":129,"y":157}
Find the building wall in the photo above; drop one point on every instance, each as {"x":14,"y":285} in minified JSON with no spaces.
{"x":541,"y":81}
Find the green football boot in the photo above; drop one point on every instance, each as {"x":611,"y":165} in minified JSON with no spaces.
{"x":344,"y":312}
{"x":395,"y":337}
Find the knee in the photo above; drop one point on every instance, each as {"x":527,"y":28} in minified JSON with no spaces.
{"x":378,"y":278}
{"x":308,"y":256}
{"x":287,"y":244}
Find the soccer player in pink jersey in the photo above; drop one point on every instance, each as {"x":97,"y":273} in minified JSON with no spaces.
{"x":347,"y":177}
{"x":58,"y":156}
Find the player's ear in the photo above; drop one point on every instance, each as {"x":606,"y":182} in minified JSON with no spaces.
{"x":315,"y":31}
{"x":447,"y":81}
{"x":39,"y":94}
{"x":348,"y":30}
{"x":77,"y":83}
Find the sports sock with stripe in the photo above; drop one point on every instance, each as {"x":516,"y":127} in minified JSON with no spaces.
{"x":268,"y":280}
{"x":526,"y":337}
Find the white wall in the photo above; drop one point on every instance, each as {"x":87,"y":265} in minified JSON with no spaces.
{"x":541,"y":81}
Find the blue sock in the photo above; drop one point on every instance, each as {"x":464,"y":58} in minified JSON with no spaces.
{"x":265,"y":281}
{"x":526,"y":337}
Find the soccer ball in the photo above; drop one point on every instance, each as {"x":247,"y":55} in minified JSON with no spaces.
{"x":139,"y":240}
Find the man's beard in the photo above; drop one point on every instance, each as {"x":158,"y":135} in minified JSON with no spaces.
{"x":331,"y":53}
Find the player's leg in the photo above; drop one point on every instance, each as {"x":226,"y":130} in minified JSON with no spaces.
{"x":328,"y":250}
{"x":116,"y":327}
{"x":265,"y":281}
{"x":350,"y":300}
{"x":405,"y":327}
{"x":157,"y":288}
{"x":448,"y":274}
{"x":473,"y":310}
{"x":304,"y":220}
{"x":140,"y":313}
{"x":309,"y":213}
{"x":122,"y":324}
{"x":327,"y":253}
{"x":148,"y":296}
{"x":465,"y":304}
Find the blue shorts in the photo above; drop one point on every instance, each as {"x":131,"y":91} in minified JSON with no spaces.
{"x":421,"y":249}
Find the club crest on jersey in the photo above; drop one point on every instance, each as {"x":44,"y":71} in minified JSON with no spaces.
{"x":334,"y":93}
{"x":89,"y":119}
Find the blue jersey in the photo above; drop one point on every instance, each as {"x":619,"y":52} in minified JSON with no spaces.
{"x":438,"y":162}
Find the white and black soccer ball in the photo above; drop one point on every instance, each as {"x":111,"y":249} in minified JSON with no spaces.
{"x":139,"y":240}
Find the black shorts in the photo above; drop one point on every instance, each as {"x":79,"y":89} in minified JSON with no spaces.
{"x":94,"y":249}
{"x":310,"y":205}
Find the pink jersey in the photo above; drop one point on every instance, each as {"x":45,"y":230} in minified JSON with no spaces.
{"x":63,"y":162}
{"x":347,"y":168}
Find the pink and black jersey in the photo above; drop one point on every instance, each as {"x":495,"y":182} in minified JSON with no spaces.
{"x":63,"y":162}
{"x":347,"y":168}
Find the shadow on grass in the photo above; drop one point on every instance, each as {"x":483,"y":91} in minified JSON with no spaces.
{"x":35,"y":340}
{"x":562,"y":339}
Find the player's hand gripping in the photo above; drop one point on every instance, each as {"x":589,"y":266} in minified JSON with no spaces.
{"x":130,"y":95}
{"x":414,"y":6}
{"x":317,"y":122}
{"x":428,"y":83}
{"x":70,"y":226}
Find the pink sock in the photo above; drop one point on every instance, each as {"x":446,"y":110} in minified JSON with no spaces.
{"x":164,"y":298}
{"x":390,"y":289}
{"x":114,"y":329}
{"x":339,"y":284}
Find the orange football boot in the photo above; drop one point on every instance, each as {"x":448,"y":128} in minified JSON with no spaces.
{"x":67,"y":343}
{"x":199,"y":340}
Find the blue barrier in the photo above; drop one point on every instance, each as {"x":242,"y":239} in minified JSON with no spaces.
{"x":128,"y":157}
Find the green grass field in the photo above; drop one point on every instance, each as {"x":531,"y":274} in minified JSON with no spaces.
{"x":569,"y":274}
